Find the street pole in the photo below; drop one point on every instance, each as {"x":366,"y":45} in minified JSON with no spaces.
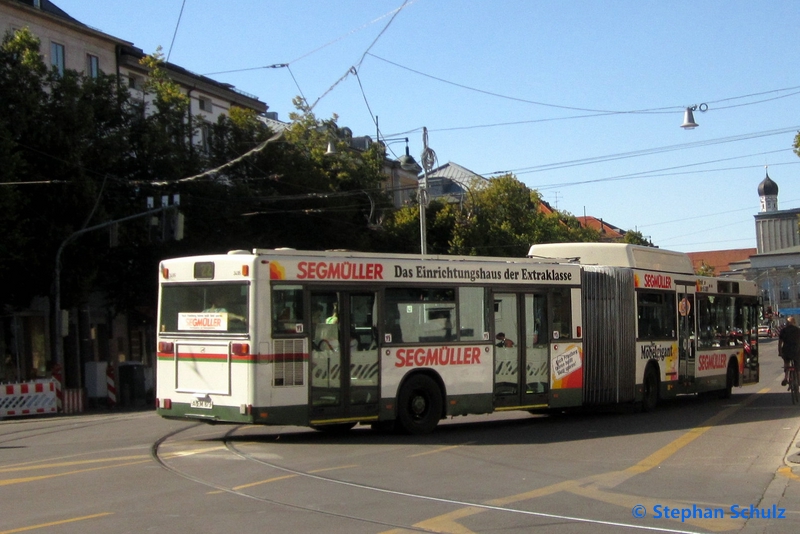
{"x":59,"y":348}
{"x":428,"y":159}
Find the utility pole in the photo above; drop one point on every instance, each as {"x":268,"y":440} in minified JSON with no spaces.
{"x":59,"y":348}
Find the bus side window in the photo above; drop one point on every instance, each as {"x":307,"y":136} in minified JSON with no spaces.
{"x":471,"y":313}
{"x":287,"y":309}
{"x":656,"y":314}
{"x":562,"y":314}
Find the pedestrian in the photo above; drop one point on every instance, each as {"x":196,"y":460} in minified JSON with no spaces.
{"x":503,"y":341}
{"x":789,"y":347}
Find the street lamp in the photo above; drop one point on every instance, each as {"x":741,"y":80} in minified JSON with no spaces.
{"x":688,"y":116}
{"x":428,"y":159}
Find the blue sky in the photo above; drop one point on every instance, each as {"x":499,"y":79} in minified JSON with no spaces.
{"x":581,"y":100}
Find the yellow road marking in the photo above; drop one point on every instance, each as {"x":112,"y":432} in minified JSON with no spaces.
{"x":77,"y":462}
{"x":440,"y":449}
{"x":251,"y":484}
{"x":788,"y":473}
{"x":32,"y":466}
{"x":594,"y":486}
{"x":55,"y":523}
{"x":10,"y":481}
{"x":334,"y":468}
{"x":138,"y":459}
{"x":284,"y":477}
{"x":181,"y":454}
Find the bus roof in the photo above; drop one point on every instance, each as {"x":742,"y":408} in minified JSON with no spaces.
{"x":615,"y":255}
{"x":340,"y":253}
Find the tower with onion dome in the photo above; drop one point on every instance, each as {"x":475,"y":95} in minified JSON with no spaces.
{"x":775,"y":229}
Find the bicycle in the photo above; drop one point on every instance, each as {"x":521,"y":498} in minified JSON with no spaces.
{"x":794,"y":383}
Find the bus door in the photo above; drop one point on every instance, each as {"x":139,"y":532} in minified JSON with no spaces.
{"x":522,"y":356}
{"x":749,"y":311}
{"x":344,"y":357}
{"x":686,"y":332}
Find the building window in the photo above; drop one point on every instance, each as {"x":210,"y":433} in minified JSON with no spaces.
{"x":92,"y":66}
{"x":205,"y":104}
{"x":57,"y":57}
{"x":134,"y":82}
{"x":205,"y":137}
{"x":785,"y":290}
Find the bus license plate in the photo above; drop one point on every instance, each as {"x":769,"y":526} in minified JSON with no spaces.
{"x":203,"y":404}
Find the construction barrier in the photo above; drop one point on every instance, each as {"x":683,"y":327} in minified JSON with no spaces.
{"x":57,"y":377}
{"x":73,"y":400}
{"x":28,"y":398}
{"x":112,"y":386}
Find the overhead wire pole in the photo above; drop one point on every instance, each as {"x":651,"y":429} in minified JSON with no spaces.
{"x":59,"y":348}
{"x":428,"y":159}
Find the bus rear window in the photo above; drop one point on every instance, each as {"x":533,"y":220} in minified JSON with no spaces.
{"x":204,"y":308}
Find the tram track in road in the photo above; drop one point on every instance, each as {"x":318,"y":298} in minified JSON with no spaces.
{"x":54,"y":425}
{"x":162,"y":461}
{"x":496,"y":505}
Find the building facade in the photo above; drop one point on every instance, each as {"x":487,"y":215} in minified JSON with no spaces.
{"x":775,"y":266}
{"x":93,"y":333}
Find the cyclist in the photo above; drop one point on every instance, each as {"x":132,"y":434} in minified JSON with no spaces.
{"x":789,"y":347}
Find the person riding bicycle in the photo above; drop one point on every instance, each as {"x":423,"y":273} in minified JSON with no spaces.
{"x":789,"y":347}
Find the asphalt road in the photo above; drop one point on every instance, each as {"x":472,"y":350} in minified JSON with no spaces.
{"x":711,"y":463}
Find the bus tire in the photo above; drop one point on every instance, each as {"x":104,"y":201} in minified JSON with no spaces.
{"x":650,"y":389}
{"x":419,"y":405}
{"x":730,"y":379}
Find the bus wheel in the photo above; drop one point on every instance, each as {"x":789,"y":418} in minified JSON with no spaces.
{"x":730,"y":379}
{"x":650,"y":394}
{"x":419,"y":405}
{"x":337,"y":428}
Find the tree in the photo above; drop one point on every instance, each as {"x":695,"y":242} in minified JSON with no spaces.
{"x":501,"y":218}
{"x":634,"y":237}
{"x":60,"y":134}
{"x":504,"y":219}
{"x":705,"y":269}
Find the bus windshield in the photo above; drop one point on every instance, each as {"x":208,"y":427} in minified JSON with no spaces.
{"x":220,"y":307}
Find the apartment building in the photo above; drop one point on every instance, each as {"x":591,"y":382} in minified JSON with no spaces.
{"x":93,"y":335}
{"x":67,"y":43}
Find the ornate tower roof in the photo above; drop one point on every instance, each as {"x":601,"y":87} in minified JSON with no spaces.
{"x":767,"y":187}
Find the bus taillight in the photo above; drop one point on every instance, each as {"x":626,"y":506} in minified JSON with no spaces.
{"x":245,"y":270}
{"x":166,"y":404}
{"x":165,"y":273}
{"x":166,"y":346}
{"x":240,"y":349}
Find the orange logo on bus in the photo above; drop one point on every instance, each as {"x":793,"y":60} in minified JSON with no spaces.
{"x":276,"y":271}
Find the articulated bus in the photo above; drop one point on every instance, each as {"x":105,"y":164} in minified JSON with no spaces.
{"x":332,"y":339}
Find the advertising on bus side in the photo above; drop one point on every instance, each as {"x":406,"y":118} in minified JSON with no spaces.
{"x":406,"y":271}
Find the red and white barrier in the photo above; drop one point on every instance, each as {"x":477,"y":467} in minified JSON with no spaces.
{"x":73,"y":400}
{"x":28,"y":398}
{"x":57,"y":377}
{"x":112,"y":386}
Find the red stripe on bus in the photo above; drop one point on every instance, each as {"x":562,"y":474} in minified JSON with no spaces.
{"x":246,"y":358}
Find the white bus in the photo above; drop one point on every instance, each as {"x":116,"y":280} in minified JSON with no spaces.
{"x":331,"y":339}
